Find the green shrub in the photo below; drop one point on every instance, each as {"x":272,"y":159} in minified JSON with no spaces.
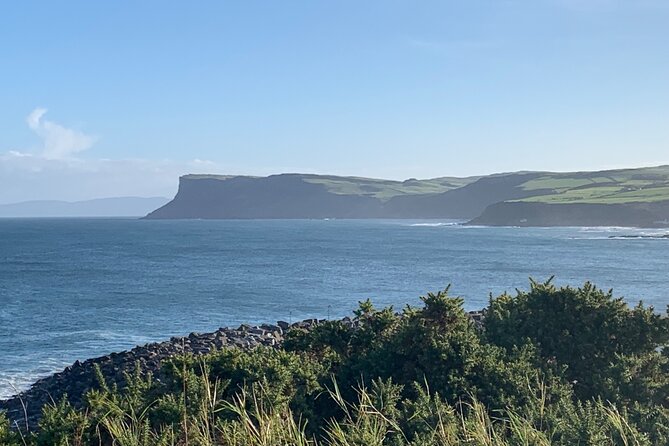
{"x":63,"y":425}
{"x":8,"y":437}
{"x":552,"y":366}
{"x":606,"y":349}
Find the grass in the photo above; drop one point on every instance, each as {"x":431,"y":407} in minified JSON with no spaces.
{"x":371,"y":187}
{"x":606,"y":187}
{"x":552,"y":366}
{"x":207,"y":177}
{"x":605,"y":195}
{"x":249,"y":421}
{"x":386,"y":189}
{"x":612,"y":187}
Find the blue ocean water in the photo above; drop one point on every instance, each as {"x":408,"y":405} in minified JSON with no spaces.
{"x":76,"y":288}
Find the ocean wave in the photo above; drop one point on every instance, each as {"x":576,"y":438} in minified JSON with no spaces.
{"x":13,"y":382}
{"x":639,"y":237}
{"x":624,"y":236}
{"x":658,"y":234}
{"x":434,"y":225}
{"x":14,"y":385}
{"x":603,"y":229}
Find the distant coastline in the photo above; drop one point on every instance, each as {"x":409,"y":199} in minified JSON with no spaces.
{"x":626,"y":198}
{"x":99,"y":207}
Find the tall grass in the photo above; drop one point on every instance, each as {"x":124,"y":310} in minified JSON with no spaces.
{"x":247,"y":420}
{"x":255,"y":424}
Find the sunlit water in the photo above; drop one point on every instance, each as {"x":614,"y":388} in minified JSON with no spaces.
{"x":76,"y":288}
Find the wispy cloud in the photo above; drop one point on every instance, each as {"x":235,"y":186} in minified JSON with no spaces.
{"x":60,"y":170}
{"x":56,"y":170}
{"x":58,"y":142}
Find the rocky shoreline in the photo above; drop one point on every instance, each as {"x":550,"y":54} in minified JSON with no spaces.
{"x":77,"y":379}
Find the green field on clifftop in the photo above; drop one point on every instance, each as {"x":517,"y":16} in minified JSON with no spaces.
{"x":386,"y":189}
{"x":606,"y":187}
{"x":369,"y":187}
{"x":648,"y":184}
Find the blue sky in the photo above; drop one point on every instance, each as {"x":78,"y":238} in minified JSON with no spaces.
{"x":119,"y":98}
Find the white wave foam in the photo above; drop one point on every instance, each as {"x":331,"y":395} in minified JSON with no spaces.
{"x":14,"y":380}
{"x":434,"y":225}
{"x":655,"y":233}
{"x":11,"y":385}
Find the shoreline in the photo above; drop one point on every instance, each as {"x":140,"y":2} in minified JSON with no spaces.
{"x":76,"y":379}
{"x":80,"y":377}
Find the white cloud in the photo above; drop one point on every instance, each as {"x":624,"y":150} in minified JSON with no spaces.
{"x":25,"y":176}
{"x":55,"y":171}
{"x":58,"y":142}
{"x":58,"y":171}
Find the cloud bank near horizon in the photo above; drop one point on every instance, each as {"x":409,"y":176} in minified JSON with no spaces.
{"x":25,"y":177}
{"x":55,"y":170}
{"x":63,"y":167}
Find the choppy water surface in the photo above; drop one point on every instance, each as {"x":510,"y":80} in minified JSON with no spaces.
{"x":76,"y":288}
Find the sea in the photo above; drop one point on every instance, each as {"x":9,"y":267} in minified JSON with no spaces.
{"x":71,"y":289}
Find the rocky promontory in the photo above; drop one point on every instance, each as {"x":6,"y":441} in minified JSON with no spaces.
{"x":624,"y":197}
{"x":81,"y":377}
{"x":302,"y":196}
{"x":521,"y":213}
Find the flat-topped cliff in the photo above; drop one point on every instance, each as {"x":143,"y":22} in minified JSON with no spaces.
{"x":315,"y":196}
{"x":624,"y":197}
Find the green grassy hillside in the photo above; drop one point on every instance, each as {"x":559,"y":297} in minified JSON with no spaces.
{"x":370,"y":187}
{"x":604,"y":187}
{"x":607,"y":187}
{"x":625,"y":197}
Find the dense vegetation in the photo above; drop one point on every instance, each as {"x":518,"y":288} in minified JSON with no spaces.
{"x":550,"y":366}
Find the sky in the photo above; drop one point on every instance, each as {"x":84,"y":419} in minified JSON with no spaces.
{"x":103,"y":98}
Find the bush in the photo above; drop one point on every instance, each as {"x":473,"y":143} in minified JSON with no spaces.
{"x":551,"y":366}
{"x":8,"y":437}
{"x":605,"y":348}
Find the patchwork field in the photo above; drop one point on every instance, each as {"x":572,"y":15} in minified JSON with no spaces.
{"x":610,"y":187}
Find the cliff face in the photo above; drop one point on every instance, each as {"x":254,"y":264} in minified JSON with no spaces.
{"x":277,"y":196}
{"x":628,"y":197}
{"x":465,"y":202}
{"x":520,"y":213}
{"x":290,"y":196}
